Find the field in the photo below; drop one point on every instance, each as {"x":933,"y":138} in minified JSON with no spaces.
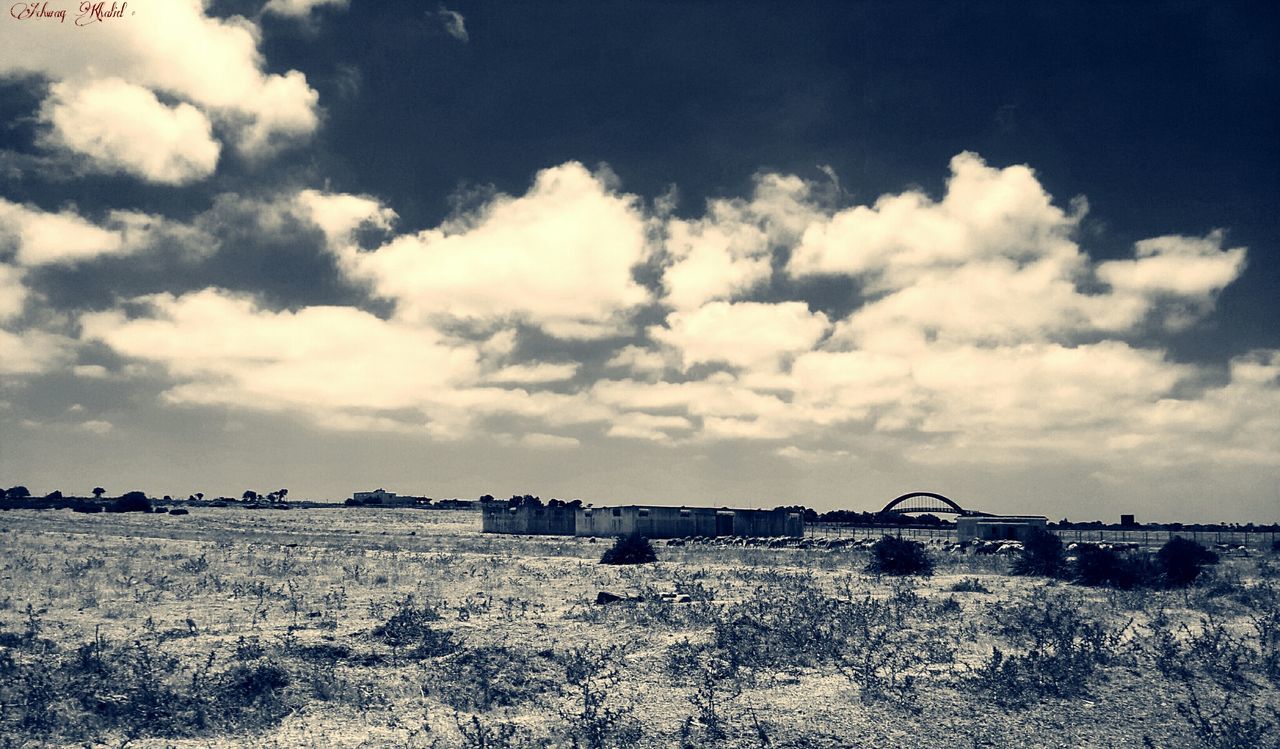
{"x":410,"y":628}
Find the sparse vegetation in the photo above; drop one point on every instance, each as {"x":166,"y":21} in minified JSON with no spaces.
{"x":416,"y":633}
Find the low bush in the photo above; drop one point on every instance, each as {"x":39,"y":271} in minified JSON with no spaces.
{"x":1104,"y":567}
{"x":1042,"y":555}
{"x":131,"y":502}
{"x":633,"y":549}
{"x":969,"y":585}
{"x":409,"y":629}
{"x":1181,"y":560}
{"x":1060,"y":651}
{"x":898,"y":556}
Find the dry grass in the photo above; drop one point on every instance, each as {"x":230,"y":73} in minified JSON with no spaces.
{"x":272,"y":629}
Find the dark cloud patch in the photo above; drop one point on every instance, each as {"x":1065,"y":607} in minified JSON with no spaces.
{"x":240,"y":244}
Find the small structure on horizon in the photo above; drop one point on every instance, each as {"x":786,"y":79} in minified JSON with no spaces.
{"x":998,"y":527}
{"x":382,"y":498}
{"x":650,"y":521}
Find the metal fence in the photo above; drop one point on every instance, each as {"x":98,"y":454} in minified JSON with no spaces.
{"x":1252,"y":539}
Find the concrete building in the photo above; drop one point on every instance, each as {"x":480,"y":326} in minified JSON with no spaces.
{"x":678,"y":522}
{"x":998,"y":527}
{"x":383,"y":498}
{"x":528,"y":519}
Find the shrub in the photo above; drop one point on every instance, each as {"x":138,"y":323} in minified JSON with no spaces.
{"x":633,"y":549}
{"x":969,"y":585}
{"x":131,"y":502}
{"x":1042,"y":555}
{"x":897,"y":556}
{"x":409,"y":628}
{"x":1063,"y":650}
{"x":1109,"y":568}
{"x":1180,"y":561}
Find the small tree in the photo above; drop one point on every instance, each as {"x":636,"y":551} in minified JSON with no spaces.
{"x":98,"y":491}
{"x":55,"y":494}
{"x":899,"y":556}
{"x":1180,"y":561}
{"x":633,"y":549}
{"x":1042,"y":555}
{"x":18,"y":492}
{"x":249,"y":495}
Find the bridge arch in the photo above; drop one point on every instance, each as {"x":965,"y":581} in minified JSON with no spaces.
{"x":931,"y":502}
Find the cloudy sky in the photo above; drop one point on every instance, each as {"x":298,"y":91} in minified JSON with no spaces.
{"x":733,"y":253}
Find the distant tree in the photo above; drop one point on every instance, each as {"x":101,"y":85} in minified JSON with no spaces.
{"x":486,"y":497}
{"x":282,"y":493}
{"x":249,"y":495}
{"x":98,"y":491}
{"x":18,"y":492}
{"x":55,"y":494}
{"x":199,"y":495}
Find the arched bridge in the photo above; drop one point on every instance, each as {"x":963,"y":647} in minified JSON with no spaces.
{"x":922,"y":502}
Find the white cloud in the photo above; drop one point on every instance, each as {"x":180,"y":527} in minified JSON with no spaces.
{"x":1192,"y":267}
{"x":742,"y":334}
{"x":728,"y":251}
{"x":301,"y":8}
{"x":540,"y":441}
{"x":13,"y":294}
{"x":173,"y":47}
{"x":123,"y":127}
{"x":96,"y":426}
{"x":43,"y":237}
{"x":534,"y":373}
{"x":652,"y":427}
{"x":986,"y":213}
{"x":986,"y":335}
{"x":454,"y":24}
{"x":32,"y":352}
{"x":91,"y":371}
{"x":559,"y":257}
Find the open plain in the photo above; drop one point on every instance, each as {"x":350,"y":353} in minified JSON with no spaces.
{"x":409,"y":628}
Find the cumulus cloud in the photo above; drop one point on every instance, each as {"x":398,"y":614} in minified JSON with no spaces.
{"x":122,"y":127}
{"x":559,"y":257}
{"x":170,"y":47}
{"x":33,"y":352}
{"x":40,"y":237}
{"x":743,"y":334}
{"x":984,"y":332}
{"x":728,"y":251}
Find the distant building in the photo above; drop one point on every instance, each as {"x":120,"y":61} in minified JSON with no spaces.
{"x":378,"y":496}
{"x":382,"y":497}
{"x":648,"y":521}
{"x":528,"y":519}
{"x":1127,"y":521}
{"x":998,"y":527}
{"x":677,"y":522}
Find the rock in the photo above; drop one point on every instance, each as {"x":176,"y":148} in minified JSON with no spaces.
{"x":179,"y":511}
{"x":604,"y":598}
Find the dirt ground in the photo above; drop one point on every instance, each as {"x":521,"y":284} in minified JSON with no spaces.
{"x":410,"y":628}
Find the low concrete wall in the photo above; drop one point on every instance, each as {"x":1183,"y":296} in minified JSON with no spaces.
{"x":526,"y":520}
{"x":998,"y":528}
{"x":680,"y":522}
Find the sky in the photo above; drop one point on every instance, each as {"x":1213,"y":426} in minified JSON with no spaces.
{"x":736,"y":254}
